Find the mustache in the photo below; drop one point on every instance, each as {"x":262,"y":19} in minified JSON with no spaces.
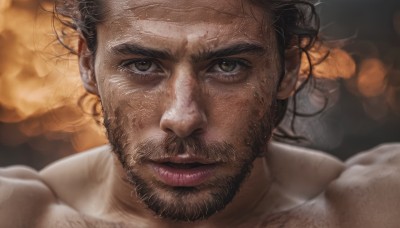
{"x":173,"y":145}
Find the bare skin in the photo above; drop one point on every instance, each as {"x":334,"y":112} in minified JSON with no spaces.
{"x":75,"y":192}
{"x":167,"y":68}
{"x":85,"y":200}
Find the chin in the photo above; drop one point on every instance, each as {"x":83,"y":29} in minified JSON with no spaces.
{"x":172,"y":193}
{"x":188,"y":204}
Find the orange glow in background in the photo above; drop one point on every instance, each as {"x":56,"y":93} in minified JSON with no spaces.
{"x":40,"y":85}
{"x":39,"y":82}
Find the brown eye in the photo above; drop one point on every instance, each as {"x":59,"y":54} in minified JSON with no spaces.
{"x":227,"y":66}
{"x":143,"y":65}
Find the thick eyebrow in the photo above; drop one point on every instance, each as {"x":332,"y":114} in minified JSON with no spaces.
{"x":135,"y":49}
{"x":229,"y":51}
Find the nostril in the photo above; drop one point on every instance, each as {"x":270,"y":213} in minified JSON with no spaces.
{"x":183,"y":123}
{"x":168,"y":130}
{"x":198,"y":132}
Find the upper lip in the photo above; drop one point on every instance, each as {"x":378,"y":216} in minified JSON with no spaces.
{"x":183,"y":160}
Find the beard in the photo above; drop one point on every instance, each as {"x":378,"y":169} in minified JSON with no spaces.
{"x":188,"y":203}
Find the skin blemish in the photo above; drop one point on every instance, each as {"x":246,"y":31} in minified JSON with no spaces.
{"x":207,"y":86}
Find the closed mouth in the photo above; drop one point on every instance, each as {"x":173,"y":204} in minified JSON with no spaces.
{"x":182,"y":172}
{"x":185,"y":165}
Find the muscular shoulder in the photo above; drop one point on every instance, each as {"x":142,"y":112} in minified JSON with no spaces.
{"x":74,"y":178}
{"x":362,"y":192}
{"x":304,"y":172}
{"x":24,"y":197}
{"x":368,"y":190}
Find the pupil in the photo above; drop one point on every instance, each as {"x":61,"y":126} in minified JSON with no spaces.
{"x":227,"y":66}
{"x":143,"y":65}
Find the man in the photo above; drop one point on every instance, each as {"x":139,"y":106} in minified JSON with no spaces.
{"x":191,"y":92}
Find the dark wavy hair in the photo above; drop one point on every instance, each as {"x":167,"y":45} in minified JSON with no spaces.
{"x":296,"y":25}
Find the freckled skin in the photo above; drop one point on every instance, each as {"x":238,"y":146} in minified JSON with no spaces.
{"x":185,"y":96}
{"x":177,"y":91}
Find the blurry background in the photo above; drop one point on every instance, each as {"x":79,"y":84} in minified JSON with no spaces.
{"x":40,"y":120}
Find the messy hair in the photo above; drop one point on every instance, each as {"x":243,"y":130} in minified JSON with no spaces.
{"x":295,"y":22}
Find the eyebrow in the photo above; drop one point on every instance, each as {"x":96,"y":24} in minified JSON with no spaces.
{"x":135,"y":49}
{"x":235,"y":49}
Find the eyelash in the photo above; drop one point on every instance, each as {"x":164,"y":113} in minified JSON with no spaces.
{"x":210,"y":72}
{"x":125,"y":64}
{"x":229,"y":76}
{"x":143,"y":75}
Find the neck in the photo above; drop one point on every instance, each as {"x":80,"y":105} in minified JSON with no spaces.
{"x":253,"y":200}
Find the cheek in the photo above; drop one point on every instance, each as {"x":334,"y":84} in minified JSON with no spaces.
{"x":264,"y":92}
{"x":231,"y":114}
{"x":134,"y":108}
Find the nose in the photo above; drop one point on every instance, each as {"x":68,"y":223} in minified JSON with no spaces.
{"x":184,"y":114}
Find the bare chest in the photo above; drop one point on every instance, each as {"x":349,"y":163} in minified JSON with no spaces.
{"x":288,"y":220}
{"x":65,"y":217}
{"x":62,"y":216}
{"x":282,"y":222}
{"x":78,"y":221}
{"x":85,"y":223}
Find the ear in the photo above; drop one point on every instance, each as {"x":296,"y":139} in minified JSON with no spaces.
{"x":287,"y":87}
{"x":86,"y":67}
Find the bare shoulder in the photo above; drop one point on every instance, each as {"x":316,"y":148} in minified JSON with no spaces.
{"x":388,"y":154}
{"x":76,"y":163}
{"x":368,"y":190}
{"x":57,"y":196}
{"x":24,"y":197}
{"x":73,"y":178}
{"x":363,"y":192}
{"x":304,"y":171}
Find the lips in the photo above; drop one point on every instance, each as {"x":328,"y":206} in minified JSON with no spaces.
{"x":183,"y":172}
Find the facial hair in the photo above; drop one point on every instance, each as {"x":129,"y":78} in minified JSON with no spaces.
{"x":181,"y":204}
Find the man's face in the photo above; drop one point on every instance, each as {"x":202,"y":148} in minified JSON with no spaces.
{"x":187,"y":89}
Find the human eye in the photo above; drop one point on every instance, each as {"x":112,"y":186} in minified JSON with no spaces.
{"x":229,"y":70}
{"x":142,"y":69}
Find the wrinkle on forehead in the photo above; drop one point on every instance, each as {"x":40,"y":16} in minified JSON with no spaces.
{"x":183,"y":25}
{"x":184,"y":11}
{"x":192,"y":37}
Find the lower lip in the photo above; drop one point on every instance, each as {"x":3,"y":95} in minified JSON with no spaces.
{"x":177,"y":177}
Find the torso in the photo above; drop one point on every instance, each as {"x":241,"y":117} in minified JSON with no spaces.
{"x":363,"y":192}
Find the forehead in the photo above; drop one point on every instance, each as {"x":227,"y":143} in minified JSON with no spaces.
{"x":172,"y":10}
{"x":200,"y":22}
